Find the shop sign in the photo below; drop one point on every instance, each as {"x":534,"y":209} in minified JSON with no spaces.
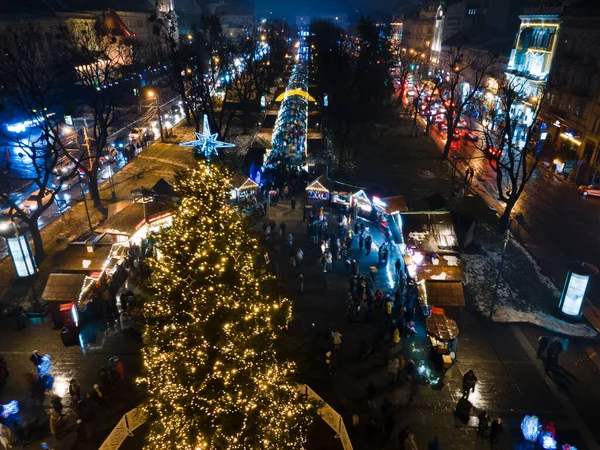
{"x":574,"y":294}
{"x":557,"y":124}
{"x":160,"y":216}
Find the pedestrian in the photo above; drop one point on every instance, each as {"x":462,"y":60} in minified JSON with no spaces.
{"x":354,"y":267}
{"x":293,"y":203}
{"x":388,"y":308}
{"x":57,"y":405}
{"x":337,"y":339}
{"x":396,"y":336}
{"x":99,"y":397}
{"x":118,"y":368}
{"x":301,"y":285}
{"x":483,"y":425}
{"x":496,"y":431}
{"x":361,"y":242}
{"x":542,"y":345}
{"x":282,"y":227}
{"x":552,"y":354}
{"x":356,"y":227}
{"x":368,"y":242}
{"x":469,"y":382}
{"x":329,"y":261}
{"x":55,"y":424}
{"x":398,"y":266}
{"x":81,"y":432}
{"x":409,"y":442}
{"x":299,"y":257}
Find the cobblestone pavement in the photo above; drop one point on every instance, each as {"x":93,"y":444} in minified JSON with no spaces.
{"x":512,"y":382}
{"x":82,"y":363}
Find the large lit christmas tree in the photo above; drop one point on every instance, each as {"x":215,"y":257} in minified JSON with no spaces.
{"x":211,"y":368}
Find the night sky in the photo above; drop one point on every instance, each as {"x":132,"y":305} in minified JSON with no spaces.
{"x":354,"y":8}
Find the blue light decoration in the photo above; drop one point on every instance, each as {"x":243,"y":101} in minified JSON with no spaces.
{"x":206,"y":143}
{"x":531,"y":428}
{"x":548,"y":442}
{"x":45,"y":366}
{"x":10,"y":409}
{"x":568,"y":447}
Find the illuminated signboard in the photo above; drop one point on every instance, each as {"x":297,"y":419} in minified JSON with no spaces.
{"x":20,"y":250}
{"x":573,"y":294}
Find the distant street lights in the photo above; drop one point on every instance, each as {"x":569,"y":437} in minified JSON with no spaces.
{"x":154,"y":95}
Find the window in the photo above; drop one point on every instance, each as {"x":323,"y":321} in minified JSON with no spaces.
{"x":472,"y":12}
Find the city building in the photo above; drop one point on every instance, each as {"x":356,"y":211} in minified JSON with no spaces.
{"x":418,"y":27}
{"x":236,"y":17}
{"x":338,"y":19}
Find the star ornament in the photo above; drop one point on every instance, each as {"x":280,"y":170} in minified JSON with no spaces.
{"x":206,"y":143}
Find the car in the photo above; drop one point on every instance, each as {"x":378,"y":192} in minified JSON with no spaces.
{"x":136,"y":133}
{"x":493,"y":152}
{"x":68,"y":182}
{"x":31,"y":202}
{"x":592,"y":189}
{"x":63,"y":166}
{"x":469,"y":135}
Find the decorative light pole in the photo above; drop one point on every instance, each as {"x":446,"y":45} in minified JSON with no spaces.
{"x":17,"y":239}
{"x":154,"y":95}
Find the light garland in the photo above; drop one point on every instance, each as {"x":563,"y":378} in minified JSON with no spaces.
{"x":211,"y":368}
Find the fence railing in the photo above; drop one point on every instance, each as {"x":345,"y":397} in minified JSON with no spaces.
{"x":137,"y":417}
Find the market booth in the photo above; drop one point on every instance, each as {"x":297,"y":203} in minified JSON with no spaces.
{"x":443,"y":333}
{"x":319,"y":189}
{"x":242,"y":187}
{"x":62,"y":294}
{"x":387,"y":213}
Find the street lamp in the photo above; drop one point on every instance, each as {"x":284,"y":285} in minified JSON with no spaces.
{"x":152,"y":94}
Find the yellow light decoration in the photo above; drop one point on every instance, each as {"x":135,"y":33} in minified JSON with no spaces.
{"x":211,"y":368}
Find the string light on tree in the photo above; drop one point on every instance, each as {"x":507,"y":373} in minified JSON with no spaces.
{"x":212,"y":370}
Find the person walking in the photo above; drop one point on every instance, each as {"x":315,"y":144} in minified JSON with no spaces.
{"x":469,"y":382}
{"x":409,"y":442}
{"x":368,"y":242}
{"x":337,"y":339}
{"x":496,"y":431}
{"x":282,"y":227}
{"x":99,"y":397}
{"x":80,"y":431}
{"x":542,"y":346}
{"x":483,"y":425}
{"x":293,"y":203}
{"x":361,"y":242}
{"x":301,"y":285}
{"x":552,"y":353}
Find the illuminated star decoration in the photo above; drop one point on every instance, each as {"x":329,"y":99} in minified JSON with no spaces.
{"x":206,"y":143}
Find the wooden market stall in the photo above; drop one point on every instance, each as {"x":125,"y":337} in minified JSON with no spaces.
{"x":319,"y":189}
{"x":63,"y":289}
{"x":443,"y":334}
{"x":242,"y":187}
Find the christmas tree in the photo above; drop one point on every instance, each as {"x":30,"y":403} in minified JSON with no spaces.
{"x":212,"y":371}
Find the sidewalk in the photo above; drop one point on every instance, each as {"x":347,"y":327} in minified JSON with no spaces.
{"x":511,"y":382}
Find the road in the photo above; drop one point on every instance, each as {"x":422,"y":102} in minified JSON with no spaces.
{"x":555,"y":214}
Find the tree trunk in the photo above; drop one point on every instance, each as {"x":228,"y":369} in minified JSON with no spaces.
{"x":448,"y":144}
{"x":505,"y":218}
{"x":38,"y":244}
{"x":95,"y":193}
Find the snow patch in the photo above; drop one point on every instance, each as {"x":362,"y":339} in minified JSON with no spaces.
{"x":442,"y":276}
{"x":451,"y":260}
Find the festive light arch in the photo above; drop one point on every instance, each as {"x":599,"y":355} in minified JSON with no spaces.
{"x":292,"y":92}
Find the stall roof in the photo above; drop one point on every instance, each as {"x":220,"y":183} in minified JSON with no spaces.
{"x":163,"y":188}
{"x":76,"y":258}
{"x":443,"y":294}
{"x":441,"y":327}
{"x":430,"y":231}
{"x":131,"y":218}
{"x":241,"y":181}
{"x":63,"y":287}
{"x":322,"y":183}
{"x":395,"y":204}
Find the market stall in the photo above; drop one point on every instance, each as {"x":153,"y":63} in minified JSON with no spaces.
{"x":361,"y":202}
{"x":242,"y":187}
{"x":319,"y":189}
{"x":443,"y":334}
{"x":62,"y":294}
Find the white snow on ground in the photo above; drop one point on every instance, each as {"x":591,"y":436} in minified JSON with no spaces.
{"x":451,"y":260}
{"x":442,"y":276}
{"x":418,"y":236}
{"x":482,"y":271}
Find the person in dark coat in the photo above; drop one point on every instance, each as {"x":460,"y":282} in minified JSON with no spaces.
{"x":496,"y":431}
{"x":484,"y":424}
{"x":81,"y":432}
{"x":469,"y":382}
{"x":293,"y":203}
{"x":361,"y":242}
{"x":99,"y":397}
{"x":368,"y":242}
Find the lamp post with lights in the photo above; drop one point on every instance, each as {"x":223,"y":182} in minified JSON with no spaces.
{"x":154,"y":95}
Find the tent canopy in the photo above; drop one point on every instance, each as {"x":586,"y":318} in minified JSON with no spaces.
{"x":441,"y":327}
{"x":242,"y":182}
{"x":63,"y":287}
{"x":322,"y":184}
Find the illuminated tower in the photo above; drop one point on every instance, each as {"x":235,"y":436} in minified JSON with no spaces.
{"x":438,"y":31}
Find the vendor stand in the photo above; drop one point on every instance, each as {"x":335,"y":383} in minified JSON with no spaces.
{"x":242,"y":187}
{"x":319,"y":189}
{"x":443,"y":337}
{"x":62,"y":294}
{"x":386,"y":212}
{"x":361,"y":203}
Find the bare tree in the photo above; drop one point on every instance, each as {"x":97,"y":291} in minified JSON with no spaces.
{"x":464,"y":73}
{"x":31,"y":85}
{"x":510,"y":145}
{"x":96,"y":58}
{"x":407,"y":62}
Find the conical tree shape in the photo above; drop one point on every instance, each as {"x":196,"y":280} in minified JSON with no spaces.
{"x":211,"y":369}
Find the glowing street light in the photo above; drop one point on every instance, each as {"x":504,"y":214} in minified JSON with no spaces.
{"x":152,"y":94}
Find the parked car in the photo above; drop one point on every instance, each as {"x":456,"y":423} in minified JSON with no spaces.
{"x":592,"y":189}
{"x":31,"y":202}
{"x":470,"y":136}
{"x":69,"y":182}
{"x":63,"y":166}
